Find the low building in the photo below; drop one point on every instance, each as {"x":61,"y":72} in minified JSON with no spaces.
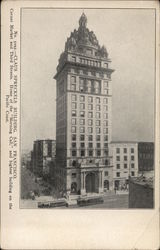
{"x":130,"y":159}
{"x":141,"y":192}
{"x":43,"y":155}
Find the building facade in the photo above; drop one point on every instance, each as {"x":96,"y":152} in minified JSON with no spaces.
{"x":130,"y":159}
{"x":42,"y":155}
{"x":145,"y":156}
{"x":83,"y":115}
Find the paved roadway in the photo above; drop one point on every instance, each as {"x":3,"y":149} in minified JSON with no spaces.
{"x":118,"y":201}
{"x":111,"y":201}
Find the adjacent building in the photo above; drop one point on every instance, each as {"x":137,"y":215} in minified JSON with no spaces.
{"x":83,"y":115}
{"x":141,"y":192}
{"x":42,"y":156}
{"x":130,"y":159}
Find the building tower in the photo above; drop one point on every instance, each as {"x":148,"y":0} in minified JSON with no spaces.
{"x":83,"y":114}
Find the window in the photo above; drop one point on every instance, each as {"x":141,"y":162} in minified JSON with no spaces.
{"x":105,"y":84}
{"x":118,"y":174}
{"x":89,"y":84}
{"x":98,"y":145}
{"x":82,"y":121}
{"x":73,"y":79}
{"x":90,"y":106}
{"x":82,"y":145}
{"x":125,"y":158}
{"x":74,"y":97}
{"x":107,"y":162}
{"x":105,"y":130}
{"x":73,"y":129}
{"x":90,"y":99}
{"x":74,"y":105}
{"x":74,"y":152}
{"x":106,"y":173}
{"x":82,"y":137}
{"x":90,"y":122}
{"x":82,"y":98}
{"x":74,"y":163}
{"x":89,"y":52}
{"x":105,"y":123}
{"x":74,"y":113}
{"x":90,"y":114}
{"x":98,"y":115}
{"x":109,"y":76}
{"x":118,"y":158}
{"x":105,"y":108}
{"x":82,"y":106}
{"x":90,"y":130}
{"x":132,"y":165}
{"x":132,"y":157}
{"x":118,"y":166}
{"x":98,"y":123}
{"x":81,"y":81}
{"x":73,"y":144}
{"x":132,"y":150}
{"x":73,"y":137}
{"x":82,"y":152}
{"x":125,"y":165}
{"x":98,"y":152}
{"x":73,"y":87}
{"x":73,"y":58}
{"x":90,"y":144}
{"x":105,"y":145}
{"x":117,"y":150}
{"x":132,"y":173}
{"x":90,"y":153}
{"x":106,"y":65}
{"x":82,"y":114}
{"x":98,"y":137}
{"x":82,"y":130}
{"x":125,"y":150}
{"x":90,"y":138}
{"x":98,"y":107}
{"x":97,"y":100}
{"x":73,"y":121}
{"x":105,"y":116}
{"x":106,"y":138}
{"x":73,"y":175}
{"x":98,"y":130}
{"x":81,"y":88}
{"x":105,"y":100}
{"x":96,"y":84}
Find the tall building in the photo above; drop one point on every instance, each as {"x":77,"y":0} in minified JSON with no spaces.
{"x":42,"y":155}
{"x":130,"y":159}
{"x":83,"y":114}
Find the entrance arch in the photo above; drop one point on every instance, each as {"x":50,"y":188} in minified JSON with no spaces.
{"x":74,"y":188}
{"x":91,"y":183}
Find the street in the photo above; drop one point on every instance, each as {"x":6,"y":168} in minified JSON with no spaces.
{"x":111,"y":201}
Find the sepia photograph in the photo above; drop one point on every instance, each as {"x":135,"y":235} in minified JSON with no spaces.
{"x":87,"y":108}
{"x":80,"y":125}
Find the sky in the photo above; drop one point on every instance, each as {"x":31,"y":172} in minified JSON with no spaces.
{"x":129,"y":36}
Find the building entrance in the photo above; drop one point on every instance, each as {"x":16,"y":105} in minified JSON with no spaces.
{"x":91,"y":183}
{"x":117,"y":184}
